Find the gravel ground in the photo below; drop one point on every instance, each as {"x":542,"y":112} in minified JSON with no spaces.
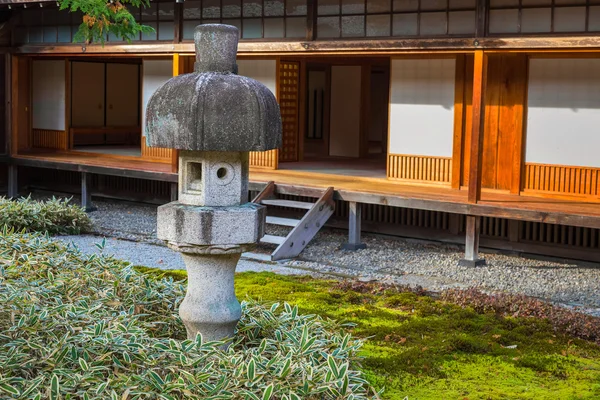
{"x":151,"y":255}
{"x":432,"y":265}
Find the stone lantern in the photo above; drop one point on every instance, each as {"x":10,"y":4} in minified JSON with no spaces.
{"x":214,"y":117}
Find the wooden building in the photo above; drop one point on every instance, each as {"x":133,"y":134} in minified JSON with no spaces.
{"x":439,"y":119}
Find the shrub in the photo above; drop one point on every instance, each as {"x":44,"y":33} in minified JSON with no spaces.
{"x":91,"y":327}
{"x":55,"y":216}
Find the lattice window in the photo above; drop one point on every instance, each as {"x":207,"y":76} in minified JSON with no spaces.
{"x":384,"y":18}
{"x":51,"y":25}
{"x":543,"y":16}
{"x":289,"y":75}
{"x":256,"y":19}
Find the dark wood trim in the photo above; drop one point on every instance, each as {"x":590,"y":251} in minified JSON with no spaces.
{"x":311,"y":19}
{"x":376,"y":46}
{"x":459,"y":115}
{"x":8,"y":104}
{"x":481,"y":22}
{"x":478,"y":126}
{"x":178,"y":22}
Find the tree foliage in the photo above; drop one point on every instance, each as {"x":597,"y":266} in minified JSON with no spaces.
{"x":104,"y":17}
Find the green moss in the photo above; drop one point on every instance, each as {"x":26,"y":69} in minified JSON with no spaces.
{"x":426,"y":349}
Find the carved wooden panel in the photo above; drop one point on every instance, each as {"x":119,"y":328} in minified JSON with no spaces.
{"x":419,"y":168}
{"x":562,"y":179}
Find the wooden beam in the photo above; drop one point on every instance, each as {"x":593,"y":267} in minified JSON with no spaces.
{"x":472,"y":258}
{"x":311,"y":19}
{"x":459,"y":115}
{"x":7,"y":101}
{"x":330,"y":47}
{"x":86,"y":192}
{"x":13,"y":182}
{"x":174,"y":189}
{"x":354,"y":227}
{"x":481,"y":24}
{"x":478,"y":126}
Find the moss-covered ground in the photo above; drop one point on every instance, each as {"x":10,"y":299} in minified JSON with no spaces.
{"x":423,"y":348}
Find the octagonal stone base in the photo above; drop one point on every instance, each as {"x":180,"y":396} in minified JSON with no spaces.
{"x":218,"y":227}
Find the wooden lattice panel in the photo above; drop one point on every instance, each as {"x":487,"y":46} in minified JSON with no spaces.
{"x":49,"y":139}
{"x":264,"y":159}
{"x":289,"y":76}
{"x":419,"y":168}
{"x":572,"y":180}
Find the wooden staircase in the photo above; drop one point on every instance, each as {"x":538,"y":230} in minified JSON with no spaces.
{"x":304,"y":229}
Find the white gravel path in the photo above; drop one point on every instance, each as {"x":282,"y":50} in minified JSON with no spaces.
{"x":151,"y":255}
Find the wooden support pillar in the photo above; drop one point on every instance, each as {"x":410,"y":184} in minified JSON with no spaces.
{"x":354,"y":228}
{"x":86,"y":194}
{"x":13,"y":182}
{"x":475,"y":163}
{"x":472,"y":258}
{"x":174,"y":191}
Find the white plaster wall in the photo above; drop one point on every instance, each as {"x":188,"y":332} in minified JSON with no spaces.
{"x":155,"y":74}
{"x":48,"y":98}
{"x":264,"y":71}
{"x":563,"y":115}
{"x":422,"y":107}
{"x":344,"y":131}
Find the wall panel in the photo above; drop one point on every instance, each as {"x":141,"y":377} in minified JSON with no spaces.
{"x":122,"y":94}
{"x":155,"y":74}
{"x":48,"y":95}
{"x":264,"y":71}
{"x":564,"y":112}
{"x":87,"y":95}
{"x":345,"y":117}
{"x":422,"y":107}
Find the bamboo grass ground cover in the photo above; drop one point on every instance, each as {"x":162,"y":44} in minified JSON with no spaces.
{"x":91,"y":327}
{"x":55,"y":216}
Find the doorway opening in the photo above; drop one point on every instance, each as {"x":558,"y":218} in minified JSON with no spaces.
{"x":105,"y":107}
{"x":346,"y":118}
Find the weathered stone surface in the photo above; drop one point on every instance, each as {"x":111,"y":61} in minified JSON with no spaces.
{"x":213,"y":109}
{"x":217,"y":179}
{"x":203,"y":226}
{"x":210,"y":306}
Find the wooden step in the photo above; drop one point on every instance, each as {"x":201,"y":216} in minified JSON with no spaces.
{"x":272,"y":239}
{"x":282,"y":221}
{"x":288,"y":203}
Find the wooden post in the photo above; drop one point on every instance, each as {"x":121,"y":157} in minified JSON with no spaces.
{"x":174,"y":191}
{"x":13,"y":182}
{"x":354,"y":228}
{"x":86,"y":194}
{"x":475,"y":164}
{"x":478,"y":125}
{"x":472,"y":243}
